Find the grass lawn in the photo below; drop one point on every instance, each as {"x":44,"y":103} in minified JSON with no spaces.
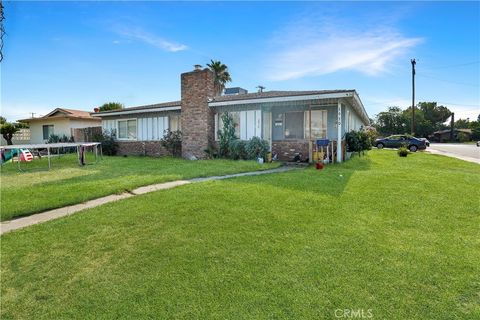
{"x":396,"y":237}
{"x":37,"y":189}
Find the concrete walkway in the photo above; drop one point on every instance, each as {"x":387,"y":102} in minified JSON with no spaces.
{"x":7,"y":226}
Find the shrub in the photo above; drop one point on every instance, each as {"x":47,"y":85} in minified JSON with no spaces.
{"x":257,"y":147}
{"x":172,"y":141}
{"x":237,"y":149}
{"x":226,"y":135}
{"x":364,"y":140}
{"x":211,"y":152}
{"x":402,"y":151}
{"x":358,"y":141}
{"x":463,"y":137}
{"x":53,"y":138}
{"x":353,"y":142}
{"x":108,"y":141}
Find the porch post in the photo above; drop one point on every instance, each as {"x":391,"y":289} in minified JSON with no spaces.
{"x":339,"y":132}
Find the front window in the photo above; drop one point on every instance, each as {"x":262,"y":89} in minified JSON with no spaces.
{"x":127,"y":129}
{"x":318,"y":125}
{"x":294,"y":125}
{"x":47,"y":131}
{"x":236,"y":123}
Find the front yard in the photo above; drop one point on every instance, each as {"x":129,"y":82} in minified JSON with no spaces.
{"x":37,"y":189}
{"x":396,"y":236}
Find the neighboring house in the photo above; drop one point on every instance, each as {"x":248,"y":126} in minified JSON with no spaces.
{"x":445,"y":135}
{"x":60,"y":122}
{"x":288,"y":120}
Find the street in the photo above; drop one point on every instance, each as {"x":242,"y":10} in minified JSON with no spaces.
{"x":468,"y":152}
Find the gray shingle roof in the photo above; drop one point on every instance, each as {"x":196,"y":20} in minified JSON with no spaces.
{"x":274,"y":94}
{"x":146,"y":107}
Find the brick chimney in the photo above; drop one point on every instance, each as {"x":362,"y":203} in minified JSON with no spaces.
{"x":197,"y":119}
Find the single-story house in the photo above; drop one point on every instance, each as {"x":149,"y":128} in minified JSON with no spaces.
{"x":288,"y":120}
{"x":445,"y":135}
{"x":60,"y":122}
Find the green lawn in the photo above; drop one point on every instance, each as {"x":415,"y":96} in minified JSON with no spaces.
{"x":37,"y":189}
{"x":398,"y":237}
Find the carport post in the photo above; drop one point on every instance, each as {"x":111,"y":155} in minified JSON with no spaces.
{"x":339,"y":132}
{"x":48,"y":155}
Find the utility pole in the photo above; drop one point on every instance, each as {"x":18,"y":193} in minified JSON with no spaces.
{"x":452,"y":127}
{"x":413,"y":95}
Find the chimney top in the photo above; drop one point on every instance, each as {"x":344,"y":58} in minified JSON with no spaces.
{"x":198,"y":67}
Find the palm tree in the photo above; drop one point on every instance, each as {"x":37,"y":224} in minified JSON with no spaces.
{"x":222,"y":76}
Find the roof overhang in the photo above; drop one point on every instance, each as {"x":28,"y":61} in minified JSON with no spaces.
{"x":118,"y":113}
{"x":338,"y":95}
{"x":57,"y":118}
{"x":358,"y":105}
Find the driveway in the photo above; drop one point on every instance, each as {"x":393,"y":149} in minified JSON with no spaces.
{"x":467,"y":152}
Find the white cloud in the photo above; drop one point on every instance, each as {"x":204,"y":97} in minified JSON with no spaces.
{"x":151,"y":39}
{"x":308,"y":49}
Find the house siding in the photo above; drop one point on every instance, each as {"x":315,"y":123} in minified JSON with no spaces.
{"x":60,"y":127}
{"x":147,"y":122}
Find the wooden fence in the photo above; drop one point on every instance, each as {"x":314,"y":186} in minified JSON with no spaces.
{"x":86,"y":134}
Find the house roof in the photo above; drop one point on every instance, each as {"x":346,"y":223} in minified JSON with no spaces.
{"x":139,"y":108}
{"x":274,"y":94}
{"x":64,"y":113}
{"x":241,"y":98}
{"x":469,"y":131}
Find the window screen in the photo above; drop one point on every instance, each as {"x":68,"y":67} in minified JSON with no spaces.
{"x":319,"y":124}
{"x":294,"y":125}
{"x":127,"y":129}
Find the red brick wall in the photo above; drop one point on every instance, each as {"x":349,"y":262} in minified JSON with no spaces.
{"x":288,"y":149}
{"x":197,"y":118}
{"x":141,"y":148}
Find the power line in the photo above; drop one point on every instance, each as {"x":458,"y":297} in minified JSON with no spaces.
{"x":457,"y":65}
{"x":449,"y":81}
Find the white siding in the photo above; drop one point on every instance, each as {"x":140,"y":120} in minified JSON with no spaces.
{"x":258,"y":123}
{"x":243,"y":125}
{"x":152,"y":128}
{"x":109,"y":125}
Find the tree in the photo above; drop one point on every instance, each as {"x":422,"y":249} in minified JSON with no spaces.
{"x":392,"y":121}
{"x":462,"y":124}
{"x":8,"y":130}
{"x":433,"y":113}
{"x":2,"y":120}
{"x":428,"y":118}
{"x":111,"y":106}
{"x":222,"y":76}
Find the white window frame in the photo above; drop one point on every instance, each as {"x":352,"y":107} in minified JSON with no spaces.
{"x":118,"y":129}
{"x":316,"y":108}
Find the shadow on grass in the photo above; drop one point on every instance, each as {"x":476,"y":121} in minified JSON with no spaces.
{"x":330,"y":181}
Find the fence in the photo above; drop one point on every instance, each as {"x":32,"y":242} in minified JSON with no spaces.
{"x":85,"y":134}
{"x":20,"y":137}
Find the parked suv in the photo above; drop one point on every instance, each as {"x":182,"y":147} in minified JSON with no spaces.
{"x":396,"y":141}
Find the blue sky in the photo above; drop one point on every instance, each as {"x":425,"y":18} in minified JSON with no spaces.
{"x":82,"y":54}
